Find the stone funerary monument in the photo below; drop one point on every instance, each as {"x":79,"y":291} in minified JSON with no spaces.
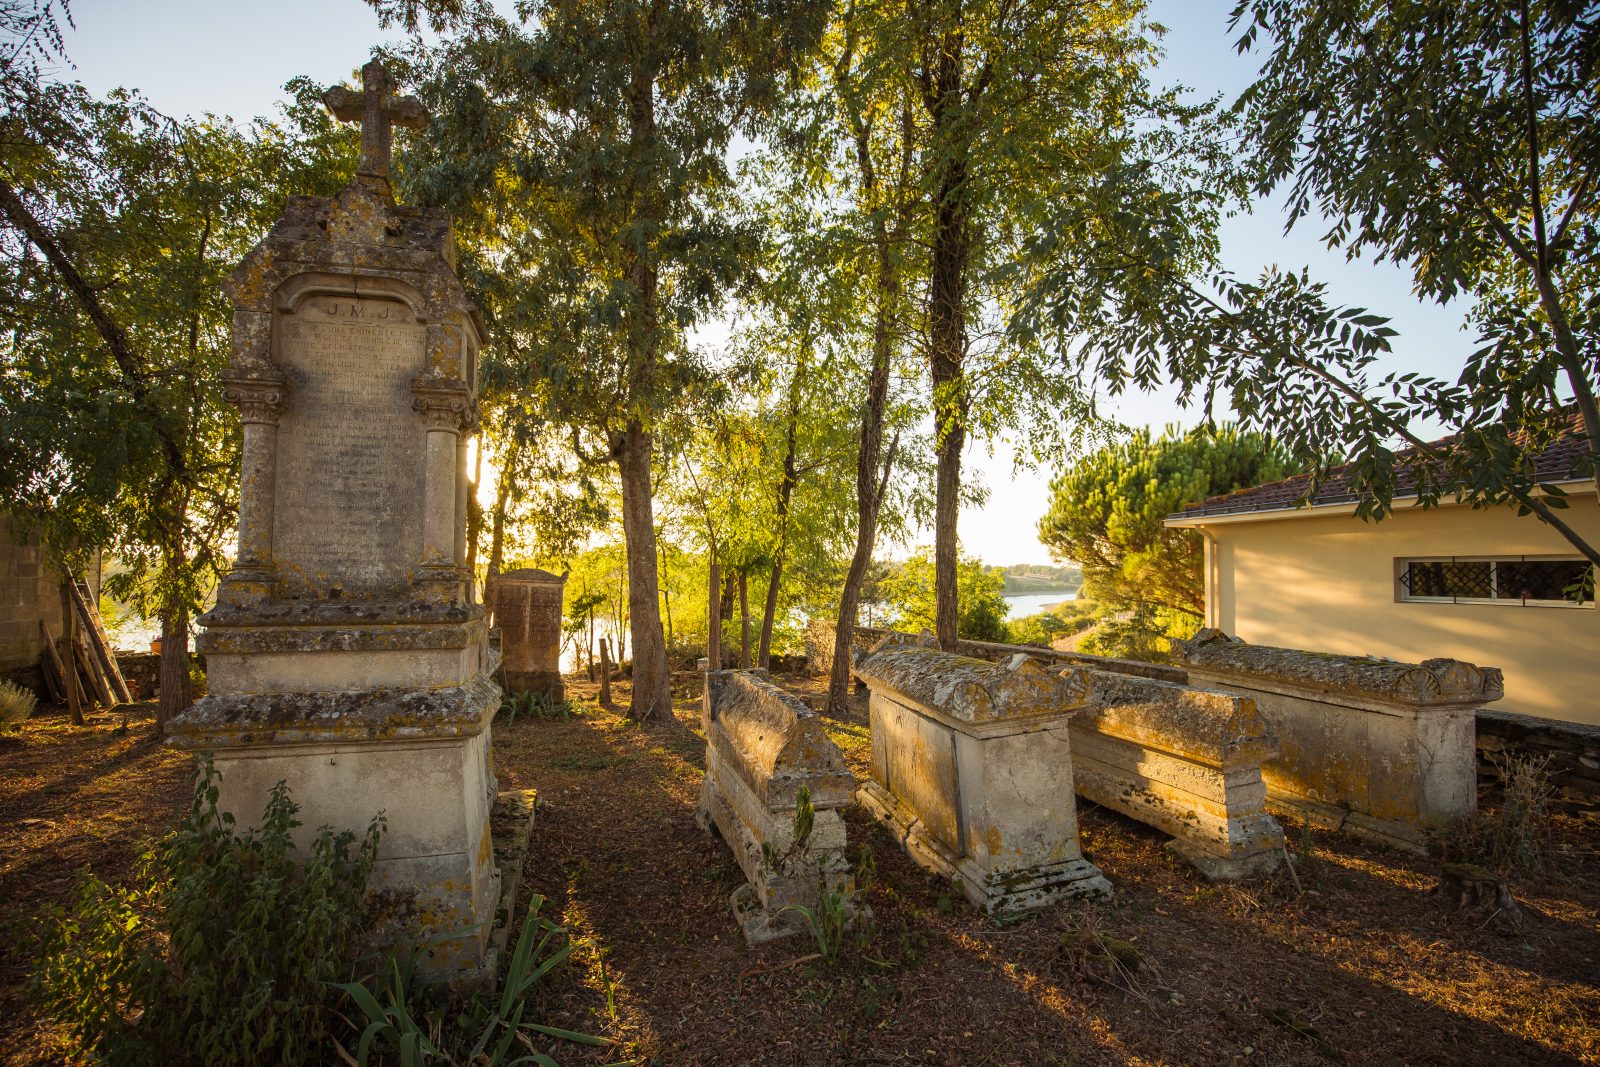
{"x":527,"y":612}
{"x":346,"y":655}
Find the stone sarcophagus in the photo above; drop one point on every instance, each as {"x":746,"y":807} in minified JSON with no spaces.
{"x":528,"y":610}
{"x":1186,"y":761}
{"x":346,"y":654}
{"x":972,"y":770}
{"x":767,"y":758}
{"x":1380,"y":748}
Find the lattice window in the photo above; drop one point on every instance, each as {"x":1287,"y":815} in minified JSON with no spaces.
{"x":1517,"y":580}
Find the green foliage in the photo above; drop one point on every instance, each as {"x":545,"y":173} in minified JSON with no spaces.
{"x":16,"y":703}
{"x":1455,"y":141}
{"x":908,"y":589}
{"x":805,"y":816}
{"x":1142,"y":632}
{"x":1106,"y":511}
{"x":416,"y":1025}
{"x":540,"y":707}
{"x":1023,"y":578}
{"x":1042,"y":629}
{"x":222,"y":951}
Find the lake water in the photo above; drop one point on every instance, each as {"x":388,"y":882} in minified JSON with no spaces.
{"x":1032,"y":603}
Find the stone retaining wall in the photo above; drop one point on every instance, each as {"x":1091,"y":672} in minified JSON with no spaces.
{"x":1380,"y":748}
{"x":820,"y":637}
{"x":1571,"y":749}
{"x":765,"y":750}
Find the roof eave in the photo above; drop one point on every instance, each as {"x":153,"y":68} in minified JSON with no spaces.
{"x":1186,"y":521}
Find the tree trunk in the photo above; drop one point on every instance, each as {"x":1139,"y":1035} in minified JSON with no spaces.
{"x":497,"y":535}
{"x":947,"y":327}
{"x":651,"y":699}
{"x":713,"y":618}
{"x":946,"y":541}
{"x":785,"y":492}
{"x":605,"y":673}
{"x":729,"y":586}
{"x":175,"y":692}
{"x":744,"y":621}
{"x":768,"y":614}
{"x":666,"y":598}
{"x":69,"y":654}
{"x":870,"y":487}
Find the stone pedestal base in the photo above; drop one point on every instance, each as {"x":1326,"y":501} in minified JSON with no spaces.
{"x":781,"y":876}
{"x":993,"y":891}
{"x":420,"y":759}
{"x":511,"y":826}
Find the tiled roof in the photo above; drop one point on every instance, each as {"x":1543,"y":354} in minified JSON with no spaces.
{"x":1557,"y":463}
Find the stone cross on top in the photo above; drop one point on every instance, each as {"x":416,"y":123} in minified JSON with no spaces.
{"x":377,"y":109}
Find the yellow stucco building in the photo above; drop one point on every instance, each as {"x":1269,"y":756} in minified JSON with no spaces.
{"x":1484,"y":586}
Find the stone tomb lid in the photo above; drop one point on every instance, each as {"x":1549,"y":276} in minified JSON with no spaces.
{"x":1434,"y":681}
{"x":777,"y":742}
{"x":969,"y":691}
{"x":531,"y":574}
{"x":1203,"y":725}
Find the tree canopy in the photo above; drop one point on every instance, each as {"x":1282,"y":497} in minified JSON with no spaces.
{"x":1106,"y":511}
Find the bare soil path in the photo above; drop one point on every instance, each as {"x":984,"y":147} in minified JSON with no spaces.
{"x":1361,"y":966}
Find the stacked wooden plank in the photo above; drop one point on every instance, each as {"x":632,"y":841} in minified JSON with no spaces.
{"x":91,"y":656}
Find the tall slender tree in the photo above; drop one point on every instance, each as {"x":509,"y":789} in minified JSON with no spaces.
{"x":604,"y":128}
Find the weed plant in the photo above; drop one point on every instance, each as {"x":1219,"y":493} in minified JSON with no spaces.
{"x":1515,"y":837}
{"x":16,"y":703}
{"x":223,"y":950}
{"x":416,"y":1026}
{"x":839,"y":912}
{"x":540,"y":707}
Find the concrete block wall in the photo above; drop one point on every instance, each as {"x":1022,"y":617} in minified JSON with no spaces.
{"x":29,"y":592}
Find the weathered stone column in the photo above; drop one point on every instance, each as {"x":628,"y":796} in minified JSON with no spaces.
{"x":445,"y":405}
{"x":259,"y":396}
{"x":463,"y":487}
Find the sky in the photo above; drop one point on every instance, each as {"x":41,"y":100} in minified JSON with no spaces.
{"x":189,"y":57}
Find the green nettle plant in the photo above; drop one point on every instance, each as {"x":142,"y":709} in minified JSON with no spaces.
{"x":225,"y":949}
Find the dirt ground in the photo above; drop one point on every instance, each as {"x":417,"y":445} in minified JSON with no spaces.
{"x":1358,"y":964}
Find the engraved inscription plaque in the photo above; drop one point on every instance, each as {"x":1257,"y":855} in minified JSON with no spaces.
{"x":351,"y":450}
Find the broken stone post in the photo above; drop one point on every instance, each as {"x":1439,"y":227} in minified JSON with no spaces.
{"x":1380,"y":748}
{"x":346,"y":655}
{"x":528,"y":610}
{"x":972,"y":771}
{"x":765,"y":750}
{"x":1186,"y":761}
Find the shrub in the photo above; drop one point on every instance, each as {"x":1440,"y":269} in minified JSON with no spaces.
{"x":1515,"y":836}
{"x":222,"y":953}
{"x":16,"y":703}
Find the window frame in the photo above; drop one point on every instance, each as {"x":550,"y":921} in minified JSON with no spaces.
{"x":1403,"y":594}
